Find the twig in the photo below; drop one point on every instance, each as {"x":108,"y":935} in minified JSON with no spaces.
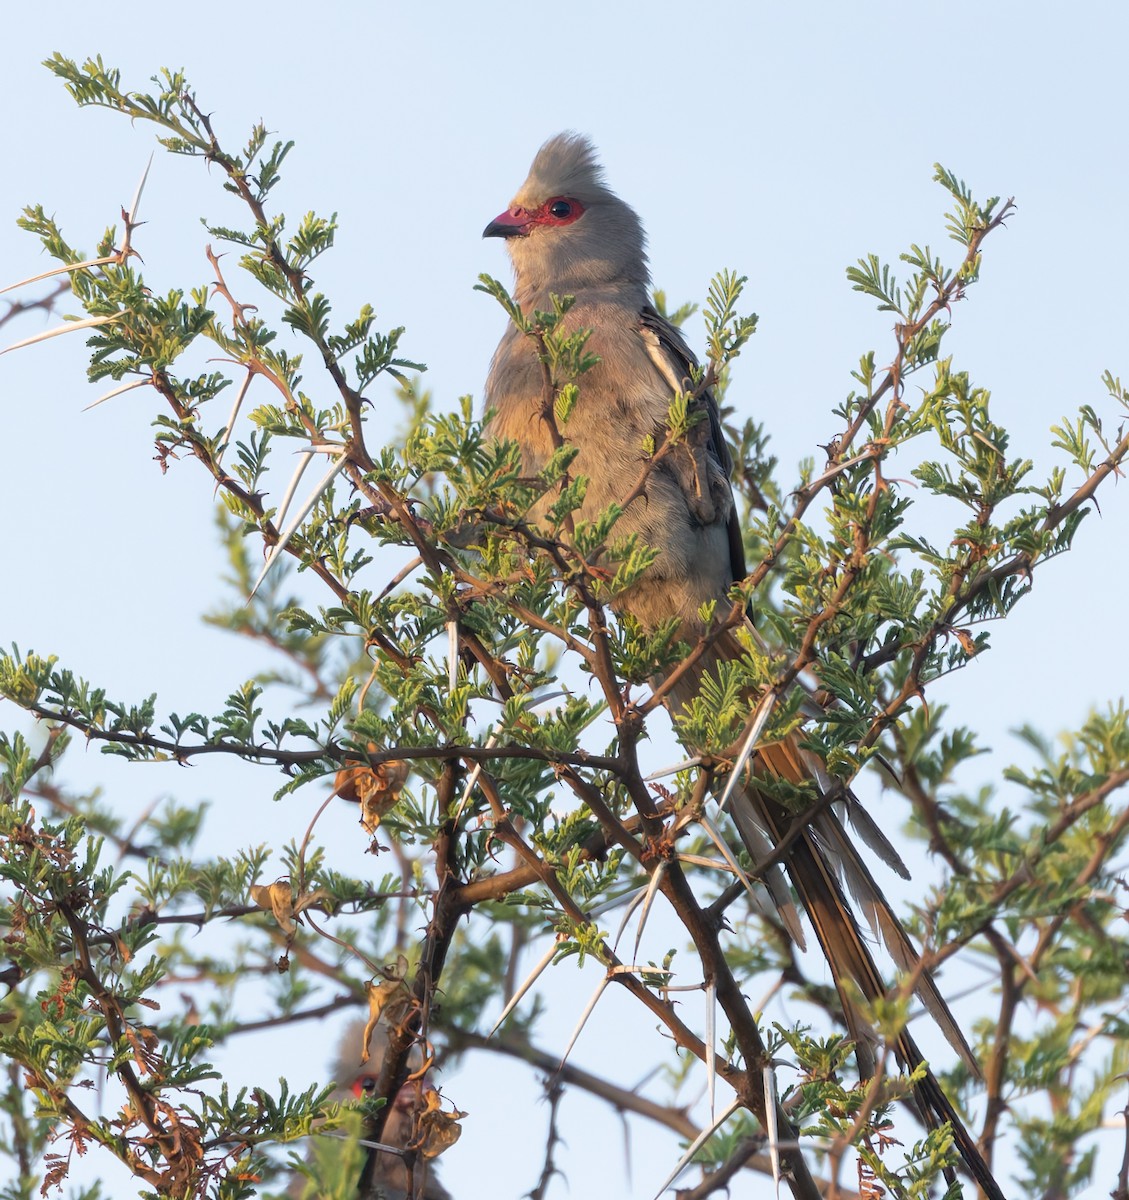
{"x":554,"y":1092}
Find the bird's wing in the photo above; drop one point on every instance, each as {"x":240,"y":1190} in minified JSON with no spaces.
{"x":678,"y":365}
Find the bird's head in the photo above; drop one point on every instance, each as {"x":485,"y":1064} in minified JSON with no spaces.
{"x":565,"y":229}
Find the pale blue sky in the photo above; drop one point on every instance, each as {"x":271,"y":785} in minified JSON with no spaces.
{"x":784,"y":141}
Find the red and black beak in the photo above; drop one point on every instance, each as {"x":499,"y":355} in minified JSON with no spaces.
{"x":514,"y":222}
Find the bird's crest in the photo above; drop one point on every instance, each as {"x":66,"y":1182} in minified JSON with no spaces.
{"x":566,"y":165}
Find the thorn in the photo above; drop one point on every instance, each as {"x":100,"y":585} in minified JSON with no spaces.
{"x":636,"y":900}
{"x":452,"y":657}
{"x":307,"y":453}
{"x":400,"y":576}
{"x":773,"y":1126}
{"x":63,"y":270}
{"x":674,"y":987}
{"x":338,"y":1133}
{"x":701,"y":860}
{"x":125,"y":387}
{"x":644,"y":969}
{"x":685,"y":765}
{"x":531,"y":979}
{"x":584,"y":1018}
{"x":760,"y":718}
{"x":225,"y":437}
{"x":284,"y":507}
{"x":711,"y":1041}
{"x":472,"y":779}
{"x":280,"y":545}
{"x":727,"y":854}
{"x":697,"y":1144}
{"x":69,"y":327}
{"x":135,"y":203}
{"x":648,"y":898}
{"x":635,"y":894}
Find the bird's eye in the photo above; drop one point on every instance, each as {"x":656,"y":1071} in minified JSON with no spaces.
{"x":558,"y":210}
{"x":365,"y":1085}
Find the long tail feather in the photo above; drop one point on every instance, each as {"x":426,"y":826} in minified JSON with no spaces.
{"x":882,"y":919}
{"x":936,"y":1109}
{"x":824,"y":866}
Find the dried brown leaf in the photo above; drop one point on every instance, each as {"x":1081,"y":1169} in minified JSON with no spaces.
{"x":376,"y":789}
{"x":278,"y":899}
{"x":436,"y":1130}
